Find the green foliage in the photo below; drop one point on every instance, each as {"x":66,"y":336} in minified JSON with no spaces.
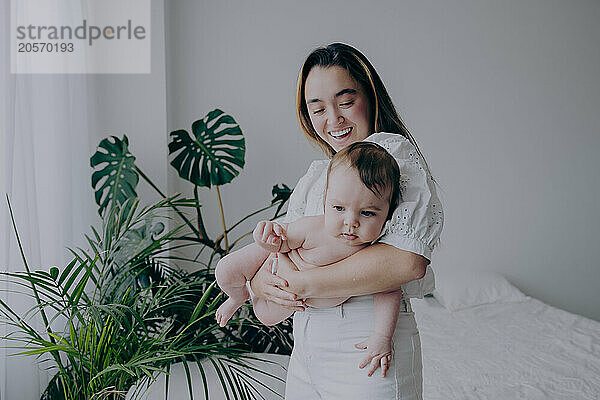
{"x":128,"y":323}
{"x":213,"y":155}
{"x":122,"y":311}
{"x":115,"y":178}
{"x":280,"y":196}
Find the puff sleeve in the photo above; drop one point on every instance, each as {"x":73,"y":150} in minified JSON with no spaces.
{"x":417,"y":222}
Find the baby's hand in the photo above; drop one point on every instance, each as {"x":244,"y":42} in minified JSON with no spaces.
{"x":379,"y":353}
{"x":269,"y":235}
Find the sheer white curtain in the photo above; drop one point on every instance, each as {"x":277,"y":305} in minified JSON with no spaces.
{"x":45,"y":152}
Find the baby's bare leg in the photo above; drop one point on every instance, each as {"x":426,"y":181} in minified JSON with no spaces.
{"x":232,"y":272}
{"x":270,"y":313}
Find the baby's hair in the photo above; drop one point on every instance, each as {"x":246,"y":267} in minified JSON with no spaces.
{"x":377,"y":169}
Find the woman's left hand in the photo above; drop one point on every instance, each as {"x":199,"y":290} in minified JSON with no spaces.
{"x":270,"y":287}
{"x":287,"y":270}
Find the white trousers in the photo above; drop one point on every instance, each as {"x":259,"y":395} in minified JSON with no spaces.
{"x":324,"y":361}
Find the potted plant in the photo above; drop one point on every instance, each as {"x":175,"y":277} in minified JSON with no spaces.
{"x":122,"y":311}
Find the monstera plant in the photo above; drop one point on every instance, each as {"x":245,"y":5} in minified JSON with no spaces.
{"x":123,"y":310}
{"x":212,"y":155}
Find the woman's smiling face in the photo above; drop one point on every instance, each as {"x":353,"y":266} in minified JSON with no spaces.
{"x":338,"y":107}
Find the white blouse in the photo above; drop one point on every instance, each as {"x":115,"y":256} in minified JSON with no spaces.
{"x":416,"y":223}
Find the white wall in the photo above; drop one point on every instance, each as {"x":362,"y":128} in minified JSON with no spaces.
{"x":135,"y":105}
{"x":503,"y":98}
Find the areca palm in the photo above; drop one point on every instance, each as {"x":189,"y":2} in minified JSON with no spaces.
{"x":103,"y":333}
{"x":121,"y":311}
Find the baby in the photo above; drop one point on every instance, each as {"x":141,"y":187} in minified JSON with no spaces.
{"x":361,"y":193}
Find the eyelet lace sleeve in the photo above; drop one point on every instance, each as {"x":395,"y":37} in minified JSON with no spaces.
{"x":417,"y":222}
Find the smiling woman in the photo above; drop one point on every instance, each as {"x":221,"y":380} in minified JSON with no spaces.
{"x":341,"y":102}
{"x":339,"y":117}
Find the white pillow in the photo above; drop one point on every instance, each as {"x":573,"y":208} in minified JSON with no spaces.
{"x":460,"y":289}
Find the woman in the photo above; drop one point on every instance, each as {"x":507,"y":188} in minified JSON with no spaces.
{"x":342,"y":100}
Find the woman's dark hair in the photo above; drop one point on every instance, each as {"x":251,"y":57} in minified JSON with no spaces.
{"x":383,"y":113}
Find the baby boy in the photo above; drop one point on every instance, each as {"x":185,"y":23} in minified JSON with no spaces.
{"x":361,"y":193}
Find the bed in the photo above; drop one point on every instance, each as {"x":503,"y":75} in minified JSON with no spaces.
{"x":526,"y":350}
{"x":484,"y":339}
{"x":481,"y":339}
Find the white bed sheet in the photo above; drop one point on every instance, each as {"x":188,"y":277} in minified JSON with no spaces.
{"x":526,"y":350}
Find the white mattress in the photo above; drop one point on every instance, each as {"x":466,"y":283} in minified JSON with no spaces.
{"x":526,"y":350}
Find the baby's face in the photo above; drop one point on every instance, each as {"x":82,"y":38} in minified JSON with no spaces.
{"x":353,"y":213}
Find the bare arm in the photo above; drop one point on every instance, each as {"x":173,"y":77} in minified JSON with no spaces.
{"x":376,"y":268}
{"x":275,"y":237}
{"x":379,"y":345}
{"x":386,"y":307}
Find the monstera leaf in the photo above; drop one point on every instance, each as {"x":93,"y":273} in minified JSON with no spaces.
{"x":213,"y":155}
{"x":114,"y":178}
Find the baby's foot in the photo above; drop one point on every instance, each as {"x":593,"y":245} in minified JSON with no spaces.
{"x":226,"y":310}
